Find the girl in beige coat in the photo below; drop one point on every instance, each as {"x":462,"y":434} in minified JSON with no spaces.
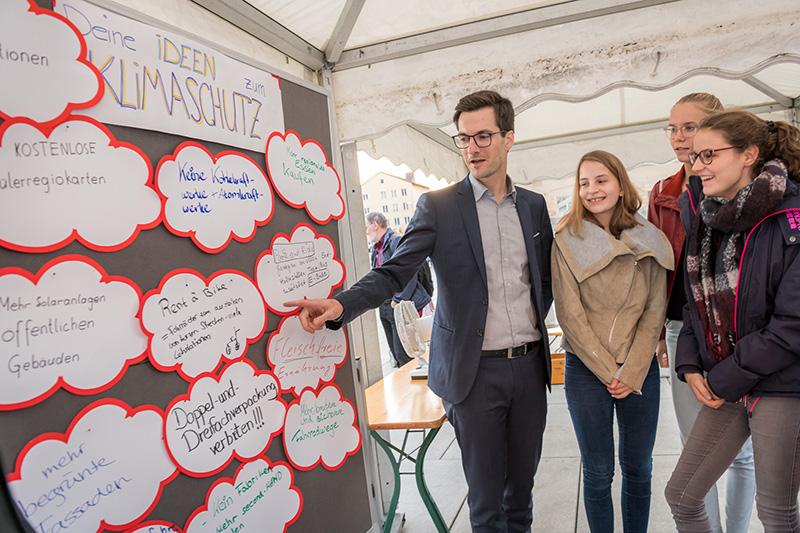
{"x":609,"y":283}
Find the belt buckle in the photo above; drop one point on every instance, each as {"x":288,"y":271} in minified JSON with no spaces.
{"x":510,"y":353}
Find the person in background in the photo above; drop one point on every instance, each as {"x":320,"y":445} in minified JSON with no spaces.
{"x":609,"y":283}
{"x":489,"y":243}
{"x":739,"y":348}
{"x":663,"y":211}
{"x":384,"y":243}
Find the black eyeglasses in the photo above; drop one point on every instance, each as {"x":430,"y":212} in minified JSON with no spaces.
{"x":707,"y":155}
{"x":482,"y":140}
{"x":688,"y":130}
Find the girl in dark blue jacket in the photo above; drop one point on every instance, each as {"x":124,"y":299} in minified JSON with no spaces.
{"x":739,"y":349}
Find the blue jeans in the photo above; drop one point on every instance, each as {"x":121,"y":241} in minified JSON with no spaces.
{"x":591,"y":408}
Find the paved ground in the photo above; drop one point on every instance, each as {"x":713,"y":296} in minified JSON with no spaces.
{"x":558,"y":506}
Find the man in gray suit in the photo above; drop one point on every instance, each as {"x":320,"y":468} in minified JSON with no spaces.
{"x":489,"y":243}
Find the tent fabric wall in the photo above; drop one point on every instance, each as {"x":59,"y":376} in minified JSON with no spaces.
{"x":406,"y":145}
{"x":647,"y":156}
{"x":653,"y":47}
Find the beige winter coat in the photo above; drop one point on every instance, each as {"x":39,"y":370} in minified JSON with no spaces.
{"x":611,"y":296}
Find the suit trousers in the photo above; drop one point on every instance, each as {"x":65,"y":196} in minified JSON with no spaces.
{"x":716,"y":438}
{"x":499,"y":429}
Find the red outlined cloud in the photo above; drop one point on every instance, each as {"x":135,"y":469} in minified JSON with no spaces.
{"x":301,"y":360}
{"x":107,"y":470}
{"x":303,"y":265}
{"x":235,"y":415}
{"x":71,"y":325}
{"x":213,"y":199}
{"x":44,"y":79}
{"x":194,"y":324}
{"x":75,"y":181}
{"x":321,"y":429}
{"x":262,"y":497}
{"x":303,"y":177}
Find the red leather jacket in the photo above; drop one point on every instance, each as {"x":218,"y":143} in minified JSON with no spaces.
{"x":665,"y":213}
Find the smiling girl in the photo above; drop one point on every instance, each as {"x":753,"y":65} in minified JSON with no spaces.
{"x":739,"y":349}
{"x":609,"y":283}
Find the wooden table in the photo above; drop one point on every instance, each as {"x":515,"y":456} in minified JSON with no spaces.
{"x":398,"y":402}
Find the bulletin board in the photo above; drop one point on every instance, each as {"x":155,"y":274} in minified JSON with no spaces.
{"x":159,"y":202}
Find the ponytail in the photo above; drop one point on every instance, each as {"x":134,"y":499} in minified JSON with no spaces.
{"x":783,"y":142}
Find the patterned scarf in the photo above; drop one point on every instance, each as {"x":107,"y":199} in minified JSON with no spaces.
{"x":715,"y":249}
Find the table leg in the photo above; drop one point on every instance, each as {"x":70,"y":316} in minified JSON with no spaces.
{"x":433,"y":510}
{"x":387,"y":527}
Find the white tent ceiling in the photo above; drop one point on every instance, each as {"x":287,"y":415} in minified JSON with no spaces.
{"x":583,"y":74}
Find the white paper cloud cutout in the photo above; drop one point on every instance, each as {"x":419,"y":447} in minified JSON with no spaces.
{"x":302,"y":266}
{"x":44,"y":78}
{"x":108,"y":469}
{"x":303,"y":177}
{"x":320,"y":429}
{"x":194,"y":324}
{"x":261,"y":498}
{"x":300,"y":359}
{"x":235,"y":415}
{"x":69,"y":325}
{"x":213,"y":199}
{"x":77,"y":182}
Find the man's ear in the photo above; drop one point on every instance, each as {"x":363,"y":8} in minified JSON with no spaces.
{"x":509,"y":139}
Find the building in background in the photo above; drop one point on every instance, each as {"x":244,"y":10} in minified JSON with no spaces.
{"x":393,"y":196}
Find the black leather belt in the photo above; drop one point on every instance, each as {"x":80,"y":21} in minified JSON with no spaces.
{"x":509,"y":353}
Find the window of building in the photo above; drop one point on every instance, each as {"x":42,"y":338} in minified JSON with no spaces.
{"x":406,"y":206}
{"x":395,"y":207}
{"x":366,"y":210}
{"x":394,"y":193}
{"x":365,"y":197}
{"x":407,"y":220}
{"x":403,"y":192}
{"x":381,"y":181}
{"x":396,"y":221}
{"x":383,"y":195}
{"x":385,"y":208}
{"x":564,"y":203}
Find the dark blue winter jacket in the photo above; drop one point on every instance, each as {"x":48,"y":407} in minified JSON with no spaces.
{"x":766,"y":359}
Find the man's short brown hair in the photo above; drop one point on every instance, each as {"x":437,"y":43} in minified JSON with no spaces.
{"x":503,"y":109}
